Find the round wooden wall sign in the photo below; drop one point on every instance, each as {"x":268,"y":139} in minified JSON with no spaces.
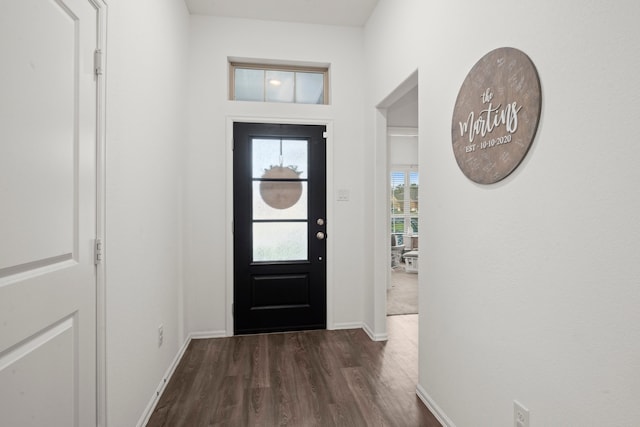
{"x":496,"y":115}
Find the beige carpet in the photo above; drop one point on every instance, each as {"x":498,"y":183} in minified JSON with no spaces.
{"x":402,"y":298}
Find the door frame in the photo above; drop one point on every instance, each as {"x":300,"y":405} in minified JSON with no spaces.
{"x":382,"y":216}
{"x":229,"y":207}
{"x":101,"y":205}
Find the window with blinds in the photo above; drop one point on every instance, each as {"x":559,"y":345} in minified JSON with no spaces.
{"x":404,"y":204}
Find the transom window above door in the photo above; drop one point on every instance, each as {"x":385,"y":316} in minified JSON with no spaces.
{"x":278,"y":83}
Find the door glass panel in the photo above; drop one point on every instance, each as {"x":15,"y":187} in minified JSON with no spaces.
{"x":279,"y":170}
{"x":309,"y":88}
{"x":279,"y":196}
{"x":280,"y":241}
{"x":270,"y":153}
{"x":249,"y":84}
{"x":280,"y":86}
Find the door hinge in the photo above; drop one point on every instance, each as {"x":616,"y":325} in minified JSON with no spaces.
{"x":325,"y":135}
{"x":98,"y":251}
{"x":97,"y":61}
{"x":233,"y":309}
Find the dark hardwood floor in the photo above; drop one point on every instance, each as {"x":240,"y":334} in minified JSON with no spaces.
{"x":311,"y":378}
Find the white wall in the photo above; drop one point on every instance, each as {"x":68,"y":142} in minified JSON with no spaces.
{"x":207,"y":250}
{"x":146,"y":129}
{"x":529,"y":288}
{"x":403,"y":150}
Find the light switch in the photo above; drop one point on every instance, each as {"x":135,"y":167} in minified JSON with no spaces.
{"x":343,"y":195}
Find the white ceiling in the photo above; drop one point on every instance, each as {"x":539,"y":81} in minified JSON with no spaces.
{"x":328,"y":12}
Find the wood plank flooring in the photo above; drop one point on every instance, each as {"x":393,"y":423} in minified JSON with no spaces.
{"x":311,"y":378}
{"x":402,"y":297}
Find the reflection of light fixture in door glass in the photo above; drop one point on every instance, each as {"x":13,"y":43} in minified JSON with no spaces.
{"x":285,"y":189}
{"x":275,"y":82}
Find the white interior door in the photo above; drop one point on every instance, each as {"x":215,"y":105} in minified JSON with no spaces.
{"x":47,"y":213}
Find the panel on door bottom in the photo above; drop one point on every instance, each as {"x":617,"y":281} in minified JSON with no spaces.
{"x":280,"y":291}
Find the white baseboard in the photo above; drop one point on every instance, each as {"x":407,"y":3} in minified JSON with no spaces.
{"x":364,"y":327}
{"x":433,"y":407}
{"x":373,"y":336}
{"x":207,"y":334}
{"x":165,"y":380}
{"x":346,"y":325}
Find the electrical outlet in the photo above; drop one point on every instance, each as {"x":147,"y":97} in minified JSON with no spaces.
{"x":160,"y":335}
{"x":520,"y":415}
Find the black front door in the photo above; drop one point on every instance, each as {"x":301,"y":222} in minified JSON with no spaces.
{"x":279,"y":204}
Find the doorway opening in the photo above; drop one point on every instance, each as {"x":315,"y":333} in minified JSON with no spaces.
{"x":397,"y":238}
{"x":402,"y":289}
{"x":404,"y":178}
